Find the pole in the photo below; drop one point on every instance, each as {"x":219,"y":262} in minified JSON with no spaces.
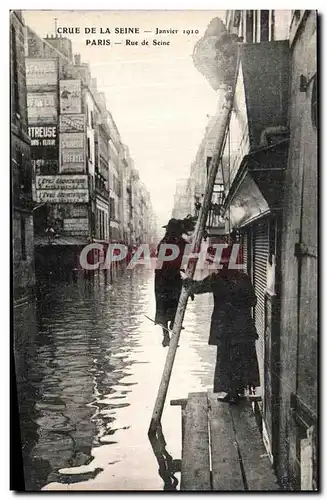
{"x":196,"y":244}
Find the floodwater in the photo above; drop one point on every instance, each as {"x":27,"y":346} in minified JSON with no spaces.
{"x":88,"y":379}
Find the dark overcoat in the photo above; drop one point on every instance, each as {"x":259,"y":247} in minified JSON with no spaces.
{"x":168,"y":282}
{"x":234,"y":298}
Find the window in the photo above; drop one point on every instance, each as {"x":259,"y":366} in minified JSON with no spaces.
{"x":112,"y":209}
{"x":23,"y":236}
{"x":88,"y":148}
{"x":314,"y":109}
{"x":92,"y":120}
{"x":272,"y":25}
{"x":249,"y":26}
{"x":255,"y":25}
{"x":237,"y":18}
{"x":264,"y":25}
{"x":14,"y":71}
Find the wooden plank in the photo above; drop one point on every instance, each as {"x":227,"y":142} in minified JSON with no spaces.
{"x":195,"y":451}
{"x":256,"y":464}
{"x":226,"y":469}
{"x":178,"y":402}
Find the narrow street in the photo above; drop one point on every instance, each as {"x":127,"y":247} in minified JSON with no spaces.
{"x":91,"y":381}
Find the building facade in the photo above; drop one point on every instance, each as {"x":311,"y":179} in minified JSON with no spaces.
{"x":21,"y":167}
{"x":268,"y":171}
{"x":298,"y":410}
{"x":83,"y":176}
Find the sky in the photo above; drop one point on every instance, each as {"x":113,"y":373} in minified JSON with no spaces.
{"x":158,"y":100}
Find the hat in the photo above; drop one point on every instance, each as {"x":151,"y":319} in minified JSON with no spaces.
{"x":173,"y":224}
{"x":185,"y":225}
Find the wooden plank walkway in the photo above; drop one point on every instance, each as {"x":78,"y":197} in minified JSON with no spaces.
{"x":222,"y":449}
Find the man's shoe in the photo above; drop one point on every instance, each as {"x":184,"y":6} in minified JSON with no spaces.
{"x":166,"y":342}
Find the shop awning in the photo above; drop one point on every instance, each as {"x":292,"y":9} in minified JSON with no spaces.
{"x":257,"y":188}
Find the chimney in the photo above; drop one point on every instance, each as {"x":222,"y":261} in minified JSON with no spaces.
{"x":77,"y":59}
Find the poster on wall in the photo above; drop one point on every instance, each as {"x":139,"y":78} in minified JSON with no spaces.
{"x":70,"y":96}
{"x":72,"y":160}
{"x":42,"y":108}
{"x":62,"y":196}
{"x":76,"y":225}
{"x":72,"y":141}
{"x":61,"y":182}
{"x":72,"y":123}
{"x":41,"y":74}
{"x":43,"y":136}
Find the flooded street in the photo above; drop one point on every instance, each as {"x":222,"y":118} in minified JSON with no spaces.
{"x":88,"y":382}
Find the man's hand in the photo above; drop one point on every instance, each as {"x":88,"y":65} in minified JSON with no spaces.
{"x":188,"y":284}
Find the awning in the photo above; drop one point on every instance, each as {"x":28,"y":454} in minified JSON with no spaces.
{"x":45,"y":241}
{"x":257,"y":188}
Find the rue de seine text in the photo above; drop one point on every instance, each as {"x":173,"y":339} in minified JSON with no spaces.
{"x":124,"y":31}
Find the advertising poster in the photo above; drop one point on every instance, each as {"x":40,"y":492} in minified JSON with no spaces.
{"x":72,"y":160}
{"x":76,"y":226}
{"x":41,"y":74}
{"x":42,"y":108}
{"x":72,"y":123}
{"x":70,"y":96}
{"x":72,"y":141}
{"x":165,"y":327}
{"x":70,"y":182}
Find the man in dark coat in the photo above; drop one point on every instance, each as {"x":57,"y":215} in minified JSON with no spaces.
{"x":232,"y":329}
{"x":168,"y":281}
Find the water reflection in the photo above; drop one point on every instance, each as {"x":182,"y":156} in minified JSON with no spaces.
{"x":87,"y":383}
{"x":167,"y":465}
{"x":71,"y":382}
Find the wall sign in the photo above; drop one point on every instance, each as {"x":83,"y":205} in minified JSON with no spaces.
{"x":62,"y":196}
{"x":72,"y":141}
{"x":41,"y":108}
{"x":70,"y":96}
{"x":72,"y":123}
{"x":72,"y":160}
{"x":40,"y":73}
{"x":61,"y":182}
{"x":45,"y":136}
{"x":76,"y":225}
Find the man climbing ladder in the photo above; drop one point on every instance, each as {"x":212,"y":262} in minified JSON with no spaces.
{"x":216,"y":55}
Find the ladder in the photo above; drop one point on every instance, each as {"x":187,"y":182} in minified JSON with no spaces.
{"x":228,"y":92}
